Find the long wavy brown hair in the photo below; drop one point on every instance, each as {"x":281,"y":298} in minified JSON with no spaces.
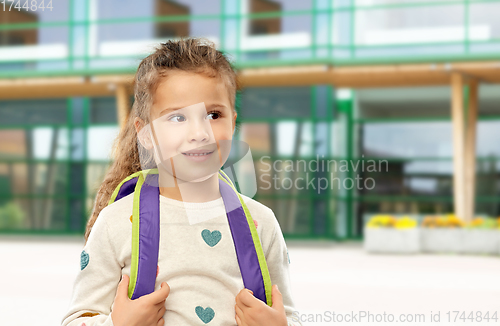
{"x":196,"y":55}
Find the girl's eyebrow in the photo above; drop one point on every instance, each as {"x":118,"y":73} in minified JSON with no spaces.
{"x":168,"y":110}
{"x":216,"y":105}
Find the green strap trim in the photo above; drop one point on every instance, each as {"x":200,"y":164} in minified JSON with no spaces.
{"x":140,"y":175}
{"x":135,"y":231}
{"x":117,"y":189}
{"x":228,"y":179}
{"x":135,"y":237}
{"x":258,"y":248}
{"x":260,"y":254}
{"x":134,"y":175}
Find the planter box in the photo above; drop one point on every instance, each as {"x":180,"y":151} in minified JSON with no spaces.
{"x":442,"y":240}
{"x":389,"y":240}
{"x":481,"y":241}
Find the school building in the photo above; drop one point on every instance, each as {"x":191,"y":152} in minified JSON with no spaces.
{"x":399,"y":100}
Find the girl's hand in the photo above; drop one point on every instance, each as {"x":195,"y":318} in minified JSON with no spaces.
{"x":251,"y":311}
{"x":147,"y":310}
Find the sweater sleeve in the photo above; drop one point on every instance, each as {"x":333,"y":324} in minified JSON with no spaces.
{"x":278,"y":265}
{"x":95,"y":286}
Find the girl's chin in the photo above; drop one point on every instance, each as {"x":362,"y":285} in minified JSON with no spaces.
{"x":202,"y":178}
{"x":189,"y":172}
{"x":193,"y":178}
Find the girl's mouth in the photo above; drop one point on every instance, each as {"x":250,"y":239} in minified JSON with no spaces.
{"x":198,"y":157}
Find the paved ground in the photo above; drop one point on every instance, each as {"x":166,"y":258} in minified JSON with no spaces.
{"x":37,"y":274}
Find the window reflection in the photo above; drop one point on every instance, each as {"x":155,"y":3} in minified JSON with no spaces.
{"x":148,"y":8}
{"x":386,"y":2}
{"x":33,"y":112}
{"x":293,"y":215}
{"x":12,"y":144}
{"x":39,"y":178}
{"x":488,"y":132}
{"x":103,"y":110}
{"x":284,"y":139}
{"x":410,"y":178}
{"x":18,"y":37}
{"x":485,"y":15}
{"x":43,"y":12}
{"x":139,"y":38}
{"x":257,"y":136}
{"x":407,"y":139}
{"x":100,"y":141}
{"x":284,"y":5}
{"x":56,"y":36}
{"x":42,"y":143}
{"x":268,"y":25}
{"x":264,"y":37}
{"x":400,"y":25}
{"x":171,"y":29}
{"x":424,"y":139}
{"x":276,"y":102}
{"x":34,"y":214}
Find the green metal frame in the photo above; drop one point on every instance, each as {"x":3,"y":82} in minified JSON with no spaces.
{"x":68,"y":197}
{"x":223,"y":16}
{"x":350,"y":199}
{"x":421,"y":199}
{"x":345,"y":107}
{"x":312,"y":197}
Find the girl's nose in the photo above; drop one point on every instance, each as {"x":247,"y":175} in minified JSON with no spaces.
{"x":199,"y":131}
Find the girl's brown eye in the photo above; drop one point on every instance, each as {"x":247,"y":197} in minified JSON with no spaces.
{"x":177,"y":118}
{"x":215,"y":115}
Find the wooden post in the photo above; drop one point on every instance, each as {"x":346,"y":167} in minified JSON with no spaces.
{"x":457,"y":116}
{"x":122,"y":103}
{"x":470,"y":150}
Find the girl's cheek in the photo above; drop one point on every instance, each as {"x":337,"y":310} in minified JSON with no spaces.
{"x":225,"y":134}
{"x":168,"y":145}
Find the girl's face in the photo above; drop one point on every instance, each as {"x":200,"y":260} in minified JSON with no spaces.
{"x":192,"y":124}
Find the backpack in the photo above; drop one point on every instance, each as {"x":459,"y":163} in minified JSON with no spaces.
{"x":146,"y":234}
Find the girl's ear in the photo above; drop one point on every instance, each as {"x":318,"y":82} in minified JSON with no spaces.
{"x":143,"y":133}
{"x":234,"y":120}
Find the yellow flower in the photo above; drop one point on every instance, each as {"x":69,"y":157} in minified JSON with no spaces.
{"x":448,"y":220}
{"x":390,"y":221}
{"x":482,"y":223}
{"x":381,"y":221}
{"x":406,"y":223}
{"x":429,"y":221}
{"x":453,"y":221}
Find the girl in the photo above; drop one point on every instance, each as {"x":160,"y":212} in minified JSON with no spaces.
{"x":182,"y":117}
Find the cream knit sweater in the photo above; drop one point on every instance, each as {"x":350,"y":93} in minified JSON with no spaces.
{"x":201,"y":270}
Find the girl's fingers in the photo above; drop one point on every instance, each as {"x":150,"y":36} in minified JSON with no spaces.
{"x":245,"y":298}
{"x":159,"y":295}
{"x":161,"y":312}
{"x":122,"y":291}
{"x":161,"y":322}
{"x":159,"y":305}
{"x":239,"y":312}
{"x":238,"y":321}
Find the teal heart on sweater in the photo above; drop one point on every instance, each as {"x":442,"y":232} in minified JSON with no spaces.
{"x":206,"y":315}
{"x":84,"y":260}
{"x":211,"y":238}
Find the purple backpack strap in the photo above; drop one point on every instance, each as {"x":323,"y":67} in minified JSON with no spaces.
{"x":243,"y":242}
{"x":146,"y":236}
{"x":145,"y":247}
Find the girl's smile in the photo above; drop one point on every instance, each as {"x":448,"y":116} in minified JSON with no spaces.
{"x":198,"y":155}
